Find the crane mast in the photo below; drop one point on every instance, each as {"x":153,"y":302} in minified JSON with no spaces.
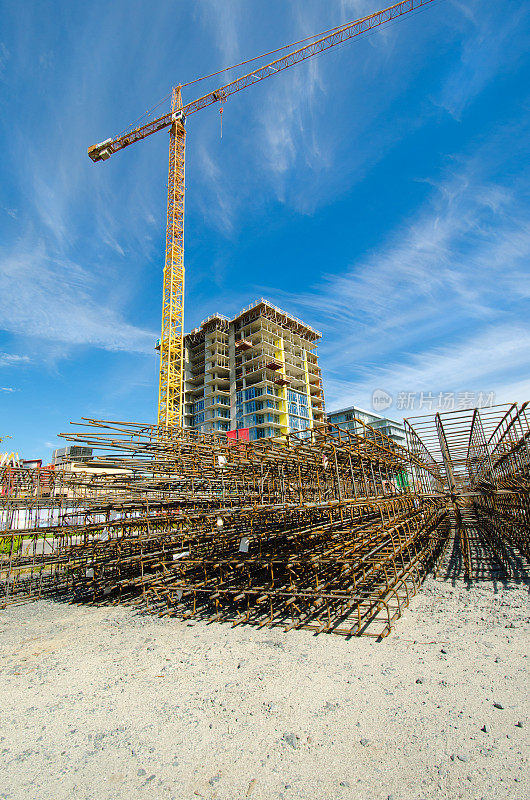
{"x":171,"y":382}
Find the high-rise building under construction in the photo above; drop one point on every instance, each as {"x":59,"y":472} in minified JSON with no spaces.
{"x":257,"y":372}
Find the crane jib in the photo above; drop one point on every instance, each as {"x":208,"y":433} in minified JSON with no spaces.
{"x":103,"y":150}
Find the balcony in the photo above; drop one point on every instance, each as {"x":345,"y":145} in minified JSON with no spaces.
{"x":243,"y":344}
{"x":220,"y":363}
{"x":273,"y":364}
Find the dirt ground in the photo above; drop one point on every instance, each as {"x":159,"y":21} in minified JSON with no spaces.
{"x":105,"y":702}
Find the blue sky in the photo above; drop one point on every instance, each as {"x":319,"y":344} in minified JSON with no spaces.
{"x":379,"y":191}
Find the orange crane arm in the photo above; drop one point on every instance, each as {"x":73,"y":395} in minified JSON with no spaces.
{"x":103,"y":150}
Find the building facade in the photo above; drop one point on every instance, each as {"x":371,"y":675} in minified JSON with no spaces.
{"x":73,"y":453}
{"x":257,"y":372}
{"x":351,"y":419}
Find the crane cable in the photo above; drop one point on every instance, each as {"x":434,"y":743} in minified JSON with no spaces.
{"x":263,"y":55}
{"x":227,"y":69}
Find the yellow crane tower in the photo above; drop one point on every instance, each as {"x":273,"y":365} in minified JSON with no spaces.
{"x":171,"y":383}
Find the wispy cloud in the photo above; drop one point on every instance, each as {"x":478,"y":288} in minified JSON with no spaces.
{"x":492,"y":47}
{"x":58,"y":300}
{"x":6,"y":389}
{"x":426,"y":309}
{"x":223,"y":19}
{"x":221,"y":204}
{"x":301,"y":155}
{"x":4,"y":57}
{"x":466,"y":247}
{"x":12,"y":360}
{"x":287,"y":135}
{"x":273,"y":131}
{"x":70,"y":269}
{"x":287,"y":131}
{"x":483,"y":362}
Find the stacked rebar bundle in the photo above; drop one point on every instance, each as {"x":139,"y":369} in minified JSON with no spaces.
{"x":500,"y":475}
{"x":327,"y":530}
{"x":483,"y":459}
{"x":311,"y":531}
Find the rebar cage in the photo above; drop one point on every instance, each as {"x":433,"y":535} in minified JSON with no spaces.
{"x":325,"y":529}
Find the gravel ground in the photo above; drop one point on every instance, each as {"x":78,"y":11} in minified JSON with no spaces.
{"x":105,"y":702}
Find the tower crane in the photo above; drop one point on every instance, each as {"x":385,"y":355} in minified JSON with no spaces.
{"x":171,"y":382}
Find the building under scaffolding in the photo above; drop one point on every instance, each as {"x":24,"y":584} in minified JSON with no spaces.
{"x":312,"y":530}
{"x":256,"y":373}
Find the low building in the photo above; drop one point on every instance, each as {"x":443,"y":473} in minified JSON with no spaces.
{"x":352,"y":419}
{"x":78,"y":475}
{"x":73,"y":453}
{"x":77,"y":480}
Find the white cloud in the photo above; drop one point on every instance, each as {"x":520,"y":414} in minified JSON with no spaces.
{"x":4,"y":57}
{"x":452,"y":262}
{"x":221,"y":204}
{"x":6,"y":389}
{"x":478,"y":363}
{"x":12,"y":360}
{"x":294,"y":132}
{"x":223,"y":18}
{"x":516,"y":392}
{"x":58,"y":300}
{"x":434,"y":303}
{"x":287,"y":131}
{"x":491,"y":46}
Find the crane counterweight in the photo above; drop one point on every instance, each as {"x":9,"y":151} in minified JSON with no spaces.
{"x":100,"y":152}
